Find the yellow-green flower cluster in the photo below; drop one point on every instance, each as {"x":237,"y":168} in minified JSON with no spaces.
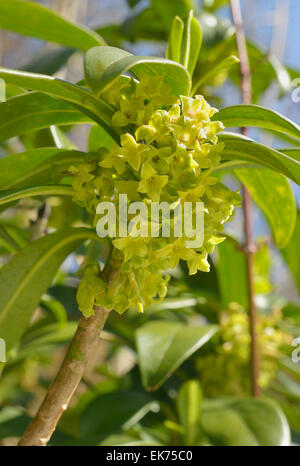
{"x":168,"y":151}
{"x":225,"y":370}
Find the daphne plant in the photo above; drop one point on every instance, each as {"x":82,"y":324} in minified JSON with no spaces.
{"x":154,"y":139}
{"x":168,"y":155}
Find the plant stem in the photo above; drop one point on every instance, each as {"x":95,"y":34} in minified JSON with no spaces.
{"x":82,"y":347}
{"x":249,"y":246}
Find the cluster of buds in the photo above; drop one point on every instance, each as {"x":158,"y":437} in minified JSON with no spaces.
{"x":168,"y":151}
{"x":225,"y":370}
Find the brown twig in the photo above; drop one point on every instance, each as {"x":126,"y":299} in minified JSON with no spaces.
{"x":249,"y":246}
{"x":82,"y":347}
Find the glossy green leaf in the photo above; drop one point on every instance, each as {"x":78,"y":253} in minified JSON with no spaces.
{"x":53,"y":136}
{"x":262,"y":268}
{"x":98,"y":138}
{"x":273,"y":194}
{"x":13,"y":91}
{"x":33,"y":19}
{"x":49,"y":61}
{"x":195,"y":44}
{"x":189,"y":404}
{"x":104,"y":65}
{"x":232,"y":273}
{"x":291,"y":253}
{"x":35,"y":166}
{"x":238,"y":147}
{"x":6,"y":197}
{"x":292,"y":153}
{"x":28,"y":275}
{"x":33,"y":111}
{"x":235,"y":164}
{"x":245,"y":422}
{"x":163,"y":346}
{"x":60,"y":139}
{"x":150,"y":22}
{"x":105,"y":415}
{"x":175,"y":39}
{"x":8,"y":241}
{"x":254,"y":115}
{"x":19,"y":235}
{"x":55,"y":307}
{"x":186,"y":41}
{"x":84,"y":100}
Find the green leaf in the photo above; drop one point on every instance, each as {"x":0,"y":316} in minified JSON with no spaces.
{"x":238,"y":147}
{"x":32,"y":19}
{"x":53,"y":136}
{"x":8,"y":241}
{"x":124,"y":440}
{"x":195,"y":44}
{"x":55,"y":308}
{"x":35,"y":166}
{"x":98,"y":138}
{"x":232,"y":273}
{"x":186,"y":41}
{"x":6,"y":197}
{"x":28,"y":275}
{"x":212,"y":5}
{"x":44,"y":339}
{"x":245,"y":422}
{"x":163,"y":346}
{"x":189,"y":403}
{"x":33,"y":111}
{"x":273,"y":194}
{"x":104,"y":65}
{"x":49,"y":61}
{"x":235,"y":164}
{"x":254,"y":115}
{"x":292,"y":153}
{"x":291,"y":252}
{"x":105,"y":415}
{"x":59,"y":138}
{"x":18,"y":235}
{"x":151,"y":22}
{"x":175,"y":39}
{"x":262,"y":266}
{"x":13,"y":421}
{"x":84,"y":100}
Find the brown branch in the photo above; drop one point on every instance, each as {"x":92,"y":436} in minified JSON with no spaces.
{"x":249,"y":246}
{"x":82,"y":347}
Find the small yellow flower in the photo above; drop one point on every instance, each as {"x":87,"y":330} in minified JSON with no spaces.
{"x":152,"y":183}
